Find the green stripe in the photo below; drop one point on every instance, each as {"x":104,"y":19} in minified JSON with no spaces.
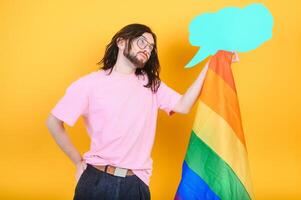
{"x":214,"y":171}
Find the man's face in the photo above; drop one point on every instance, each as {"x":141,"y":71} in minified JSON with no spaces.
{"x":140,"y":51}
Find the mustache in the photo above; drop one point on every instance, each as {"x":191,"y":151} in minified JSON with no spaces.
{"x":146,"y":55}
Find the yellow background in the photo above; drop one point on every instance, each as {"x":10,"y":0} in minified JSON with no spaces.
{"x":45,"y":45}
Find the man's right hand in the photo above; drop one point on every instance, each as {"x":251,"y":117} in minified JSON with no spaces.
{"x":80,"y":168}
{"x":235,"y":57}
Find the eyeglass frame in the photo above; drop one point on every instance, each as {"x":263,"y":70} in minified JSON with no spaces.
{"x":148,"y":44}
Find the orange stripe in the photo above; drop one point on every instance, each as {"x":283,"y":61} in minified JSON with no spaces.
{"x":221,"y":98}
{"x":220,"y":63}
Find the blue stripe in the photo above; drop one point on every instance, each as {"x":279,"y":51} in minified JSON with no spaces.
{"x":193,"y":187}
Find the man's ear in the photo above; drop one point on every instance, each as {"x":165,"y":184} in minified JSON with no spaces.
{"x":120,"y":42}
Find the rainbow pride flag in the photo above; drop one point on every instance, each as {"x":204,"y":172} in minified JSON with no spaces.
{"x":216,"y":164}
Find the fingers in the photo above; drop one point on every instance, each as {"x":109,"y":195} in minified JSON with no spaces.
{"x":84,"y":165}
{"x":235,"y":57}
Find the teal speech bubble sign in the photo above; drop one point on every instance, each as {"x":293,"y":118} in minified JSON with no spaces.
{"x":230,"y":29}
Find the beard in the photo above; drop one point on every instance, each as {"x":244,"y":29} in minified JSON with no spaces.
{"x":133,"y":58}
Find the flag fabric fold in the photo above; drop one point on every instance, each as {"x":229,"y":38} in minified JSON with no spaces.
{"x":216,"y":162}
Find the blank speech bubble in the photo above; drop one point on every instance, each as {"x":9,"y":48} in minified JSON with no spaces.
{"x":230,"y":29}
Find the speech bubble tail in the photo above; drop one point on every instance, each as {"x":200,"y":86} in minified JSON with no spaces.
{"x":201,"y":55}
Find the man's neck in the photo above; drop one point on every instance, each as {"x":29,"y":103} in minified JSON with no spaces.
{"x":124,"y":67}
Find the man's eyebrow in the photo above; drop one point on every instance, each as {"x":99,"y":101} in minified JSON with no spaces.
{"x":148,"y":41}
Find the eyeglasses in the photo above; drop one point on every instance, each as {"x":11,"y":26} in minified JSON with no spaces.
{"x":142,"y":43}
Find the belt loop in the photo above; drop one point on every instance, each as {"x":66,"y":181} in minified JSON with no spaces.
{"x":106,"y":168}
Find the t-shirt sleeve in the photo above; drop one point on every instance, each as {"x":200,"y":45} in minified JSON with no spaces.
{"x":167,"y":98}
{"x":74,"y":103}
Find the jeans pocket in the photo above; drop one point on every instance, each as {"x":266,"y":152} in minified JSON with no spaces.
{"x":144,"y":190}
{"x":81,"y":179}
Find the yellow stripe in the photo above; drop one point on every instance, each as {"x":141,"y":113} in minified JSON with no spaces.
{"x":218,"y":135}
{"x":221,"y":98}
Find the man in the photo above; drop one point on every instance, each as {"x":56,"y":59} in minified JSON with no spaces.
{"x":119,"y":104}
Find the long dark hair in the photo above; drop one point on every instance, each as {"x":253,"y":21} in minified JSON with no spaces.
{"x":151,"y":67}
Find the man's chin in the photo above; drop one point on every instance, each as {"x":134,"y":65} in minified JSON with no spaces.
{"x":139,"y":65}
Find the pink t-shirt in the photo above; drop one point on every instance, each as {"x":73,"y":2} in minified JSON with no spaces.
{"x":120,"y":115}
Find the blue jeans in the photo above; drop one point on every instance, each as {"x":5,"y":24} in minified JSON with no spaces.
{"x":94,"y":184}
